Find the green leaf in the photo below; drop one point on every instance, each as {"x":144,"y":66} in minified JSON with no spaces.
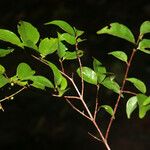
{"x":144,"y":46}
{"x":145,"y":27}
{"x":28,"y":33}
{"x":100,"y":70}
{"x":88,"y":75}
{"x":107,"y":109}
{"x":120,"y":55}
{"x":61,"y":49}
{"x":131,"y":105}
{"x":138,"y":84}
{"x":118,"y":30}
{"x":8,"y":36}
{"x":3,"y":81}
{"x":68,"y":38}
{"x":63,"y":25}
{"x":41,"y":82}
{"x":24,"y":71}
{"x":4,"y":52}
{"x":111,"y":84}
{"x":142,"y":108}
{"x":147,"y":101}
{"x":48,"y":46}
{"x":73,"y":55}
{"x":2,"y":70}
{"x":57,"y":75}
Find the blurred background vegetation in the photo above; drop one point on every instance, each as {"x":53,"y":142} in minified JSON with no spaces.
{"x":36,"y":120}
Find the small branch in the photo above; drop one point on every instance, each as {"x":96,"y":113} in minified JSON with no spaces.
{"x":62,"y":66}
{"x":80,"y":64}
{"x":72,"y":97}
{"x":93,"y":136}
{"x":121,"y":91}
{"x":96,"y":102}
{"x":12,"y":95}
{"x":76,"y":109}
{"x":129,"y":92}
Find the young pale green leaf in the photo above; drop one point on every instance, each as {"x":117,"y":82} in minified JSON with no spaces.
{"x":99,"y":69}
{"x":88,"y":75}
{"x":28,"y":33}
{"x":119,"y":30}
{"x":73,"y":55}
{"x":3,"y":81}
{"x":63,"y":84}
{"x":61,"y":51}
{"x":41,"y":82}
{"x":144,"y":46}
{"x":24,"y":71}
{"x":107,"y":109}
{"x":57,"y":75}
{"x":131,"y":105}
{"x":142,"y":108}
{"x":4,"y":52}
{"x":120,"y":55}
{"x":147,"y":101}
{"x":48,"y":46}
{"x":145,"y":27}
{"x":9,"y":36}
{"x":2,"y":70}
{"x":63,"y":25}
{"x":138,"y":84}
{"x":68,"y":38}
{"x":111,"y":84}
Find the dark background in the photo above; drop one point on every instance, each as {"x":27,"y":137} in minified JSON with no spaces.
{"x":36,"y":120}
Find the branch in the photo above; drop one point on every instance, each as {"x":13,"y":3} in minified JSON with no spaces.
{"x":12,"y":95}
{"x":120,"y":93}
{"x":129,"y":92}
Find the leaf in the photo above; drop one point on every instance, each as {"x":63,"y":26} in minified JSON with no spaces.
{"x":144,"y":46}
{"x":107,"y":109}
{"x":120,"y":55}
{"x":63,"y":25}
{"x":2,"y":70}
{"x":4,"y":52}
{"x":142,"y":108}
{"x":88,"y":75}
{"x":28,"y":33}
{"x":61,"y":49}
{"x":41,"y":82}
{"x":147,"y":101}
{"x":48,"y":46}
{"x":112,"y":85}
{"x":9,"y":36}
{"x":131,"y":105}
{"x":138,"y":84}
{"x":119,"y":30}
{"x":3,"y":81}
{"x":68,"y":38}
{"x":73,"y":55}
{"x":99,"y":69}
{"x":24,"y":71}
{"x":57,"y":75}
{"x":145,"y":27}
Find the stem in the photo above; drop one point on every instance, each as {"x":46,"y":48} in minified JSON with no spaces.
{"x":129,"y":92}
{"x":121,"y":91}
{"x":12,"y":95}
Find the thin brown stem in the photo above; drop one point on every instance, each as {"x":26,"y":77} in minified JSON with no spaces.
{"x":12,"y":95}
{"x":96,"y":102}
{"x":62,"y":66}
{"x":121,"y":91}
{"x":129,"y":92}
{"x":72,"y":97}
{"x":80,"y":65}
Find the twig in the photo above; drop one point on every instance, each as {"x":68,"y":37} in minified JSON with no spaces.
{"x":96,"y":102}
{"x":121,"y":91}
{"x":94,"y":137}
{"x":72,"y":97}
{"x":83,"y":114}
{"x":12,"y":95}
{"x":129,"y":92}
